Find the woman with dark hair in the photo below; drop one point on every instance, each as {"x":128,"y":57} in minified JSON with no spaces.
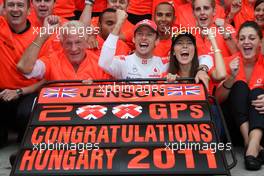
{"x":259,"y":13}
{"x":184,"y":60}
{"x":243,"y":91}
{"x":259,"y":17}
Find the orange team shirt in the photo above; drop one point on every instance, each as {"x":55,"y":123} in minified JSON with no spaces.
{"x":12,"y":46}
{"x":204,"y":45}
{"x":140,"y":7}
{"x":53,"y":43}
{"x":185,"y":17}
{"x":58,"y":67}
{"x":257,"y":76}
{"x":121,"y":49}
{"x":175,"y":4}
{"x":127,"y":30}
{"x":36,"y":23}
{"x":99,"y":5}
{"x":163,"y":48}
{"x":64,"y":8}
{"x":246,"y":13}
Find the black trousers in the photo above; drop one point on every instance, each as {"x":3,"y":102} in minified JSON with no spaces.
{"x":238,"y":109}
{"x":240,"y":99}
{"x":134,"y":19}
{"x":15,"y":114}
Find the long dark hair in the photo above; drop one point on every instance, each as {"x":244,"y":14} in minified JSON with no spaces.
{"x":174,"y":66}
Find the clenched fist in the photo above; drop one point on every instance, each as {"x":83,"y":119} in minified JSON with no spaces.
{"x":234,"y":66}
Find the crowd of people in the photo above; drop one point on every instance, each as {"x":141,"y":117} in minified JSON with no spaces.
{"x":218,"y":42}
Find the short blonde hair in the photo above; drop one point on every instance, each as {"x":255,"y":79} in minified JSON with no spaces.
{"x":72,"y":27}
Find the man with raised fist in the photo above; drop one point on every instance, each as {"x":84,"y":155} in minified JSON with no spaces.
{"x":141,"y":64}
{"x":71,"y":63}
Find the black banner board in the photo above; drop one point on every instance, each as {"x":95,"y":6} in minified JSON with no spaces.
{"x":79,"y":130}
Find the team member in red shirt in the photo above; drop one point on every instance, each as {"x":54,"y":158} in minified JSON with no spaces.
{"x":15,"y":35}
{"x":164,"y":18}
{"x":41,"y":9}
{"x":127,"y":29}
{"x":106,"y":25}
{"x":204,"y":11}
{"x":185,"y":17}
{"x":243,"y":91}
{"x":73,"y":62}
{"x":240,"y":11}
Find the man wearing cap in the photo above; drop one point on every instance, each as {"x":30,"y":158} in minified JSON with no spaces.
{"x":141,"y":64}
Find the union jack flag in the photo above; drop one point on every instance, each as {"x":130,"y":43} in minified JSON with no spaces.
{"x":60,"y":92}
{"x":183,"y":90}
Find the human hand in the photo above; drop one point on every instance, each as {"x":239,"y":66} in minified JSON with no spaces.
{"x":9,"y":95}
{"x":259,"y":104}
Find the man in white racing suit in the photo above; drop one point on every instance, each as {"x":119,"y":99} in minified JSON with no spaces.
{"x":142,"y":63}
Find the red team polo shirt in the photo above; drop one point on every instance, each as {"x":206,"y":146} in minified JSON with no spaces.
{"x":204,"y":45}
{"x":140,"y":7}
{"x":64,"y":8}
{"x":246,"y":13}
{"x":257,"y":76}
{"x":163,"y":48}
{"x":58,"y":67}
{"x":12,"y":46}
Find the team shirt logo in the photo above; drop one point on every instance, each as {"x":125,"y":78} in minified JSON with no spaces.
{"x":60,"y":92}
{"x":183,"y":90}
{"x":91,"y":112}
{"x":127,"y":111}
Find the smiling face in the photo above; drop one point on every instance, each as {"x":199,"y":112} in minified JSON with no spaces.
{"x":164,"y":17}
{"x":184,"y":50}
{"x":74,"y":47}
{"x":249,"y":42}
{"x":43,"y":8}
{"x":145,"y":40}
{"x":16,"y":13}
{"x":259,"y":14}
{"x":204,"y":12}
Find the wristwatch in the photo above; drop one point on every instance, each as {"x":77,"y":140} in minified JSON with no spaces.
{"x":203,"y":68}
{"x":19,"y":92}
